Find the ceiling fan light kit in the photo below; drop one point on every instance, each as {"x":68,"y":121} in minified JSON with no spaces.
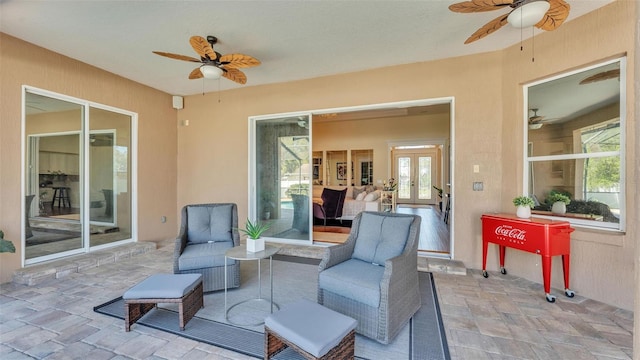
{"x":211,"y":72}
{"x":544,"y":14}
{"x":528,"y":14}
{"x":214,"y":65}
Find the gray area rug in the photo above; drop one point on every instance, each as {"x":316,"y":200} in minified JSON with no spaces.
{"x":296,"y":278}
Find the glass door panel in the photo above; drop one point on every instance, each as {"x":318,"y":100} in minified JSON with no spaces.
{"x":283,"y":176}
{"x":405,"y":181}
{"x":109,"y":176}
{"x":53,"y":196}
{"x":425,"y":189}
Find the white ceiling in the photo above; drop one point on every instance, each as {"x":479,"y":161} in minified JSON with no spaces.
{"x":294,"y":40}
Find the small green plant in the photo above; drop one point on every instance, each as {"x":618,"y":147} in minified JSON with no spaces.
{"x":256,"y":229}
{"x":6,"y":245}
{"x":555,"y":197}
{"x":523,"y":201}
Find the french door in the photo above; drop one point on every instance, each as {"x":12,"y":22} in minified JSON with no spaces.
{"x":415,"y":172}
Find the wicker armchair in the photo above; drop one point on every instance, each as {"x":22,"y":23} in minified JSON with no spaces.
{"x":373,"y":276}
{"x":206,"y":233}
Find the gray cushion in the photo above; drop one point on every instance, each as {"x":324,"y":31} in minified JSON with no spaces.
{"x":164,"y":286}
{"x":294,"y":321}
{"x":210,"y":223}
{"x":377,"y":243}
{"x":199,"y":256}
{"x":354,"y":279}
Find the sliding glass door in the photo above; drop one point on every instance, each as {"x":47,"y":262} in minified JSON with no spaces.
{"x":281,"y":173}
{"x":78,"y":181}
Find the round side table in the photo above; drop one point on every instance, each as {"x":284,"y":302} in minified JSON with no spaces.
{"x":240,"y":253}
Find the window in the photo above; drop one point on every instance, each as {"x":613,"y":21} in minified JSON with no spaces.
{"x":574,"y":145}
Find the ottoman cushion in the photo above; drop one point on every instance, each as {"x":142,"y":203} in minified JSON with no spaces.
{"x":311,"y":326}
{"x":163,"y":286}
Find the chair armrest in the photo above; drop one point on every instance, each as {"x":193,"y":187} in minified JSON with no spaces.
{"x":336,"y":254}
{"x":399,"y":278}
{"x":180,"y":244}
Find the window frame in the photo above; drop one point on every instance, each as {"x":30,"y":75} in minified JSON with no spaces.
{"x":528,"y":161}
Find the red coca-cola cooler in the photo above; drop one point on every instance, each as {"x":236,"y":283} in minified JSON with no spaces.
{"x":544,"y":237}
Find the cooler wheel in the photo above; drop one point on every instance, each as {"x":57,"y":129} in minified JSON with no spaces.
{"x":485,"y":273}
{"x":503,"y":271}
{"x":551,"y":298}
{"x":569,"y":293}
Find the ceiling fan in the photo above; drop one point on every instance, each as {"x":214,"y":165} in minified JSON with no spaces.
{"x":544,"y":14}
{"x":213,"y":63}
{"x":605,"y":75}
{"x":535,"y":121}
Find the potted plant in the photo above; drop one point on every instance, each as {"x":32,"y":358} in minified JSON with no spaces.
{"x":6,"y":245}
{"x":439,"y":190}
{"x":254,"y":231}
{"x":267,"y":204}
{"x":559,"y":201}
{"x":524,"y":205}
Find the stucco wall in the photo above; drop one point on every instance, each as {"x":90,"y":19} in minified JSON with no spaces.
{"x":212,"y":155}
{"x":597,"y":257}
{"x":22,"y":63}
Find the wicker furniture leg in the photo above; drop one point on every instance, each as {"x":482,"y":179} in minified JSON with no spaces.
{"x":274,"y":344}
{"x":190,"y":305}
{"x":134,"y":311}
{"x":184,"y":289}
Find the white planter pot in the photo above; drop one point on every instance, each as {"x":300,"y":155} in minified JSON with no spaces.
{"x":559,"y":207}
{"x":523,"y":212}
{"x":255,"y":245}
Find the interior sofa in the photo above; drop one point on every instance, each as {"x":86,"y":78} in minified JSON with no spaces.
{"x":357,"y":199}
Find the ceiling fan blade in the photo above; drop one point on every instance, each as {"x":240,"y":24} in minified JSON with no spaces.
{"x":202,"y":47}
{"x":195,"y":74}
{"x":605,"y":75}
{"x":177,"y":56}
{"x":555,"y":16}
{"x":479,"y":5}
{"x":488,"y":28}
{"x":236,"y":75}
{"x":238,"y":61}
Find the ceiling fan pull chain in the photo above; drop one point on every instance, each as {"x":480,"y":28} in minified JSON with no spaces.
{"x":533,"y":42}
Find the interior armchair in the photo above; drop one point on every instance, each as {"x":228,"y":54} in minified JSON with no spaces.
{"x":207,"y":231}
{"x":373,"y":276}
{"x":332,"y":204}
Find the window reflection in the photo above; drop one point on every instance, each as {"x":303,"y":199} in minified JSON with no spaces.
{"x":574,"y":138}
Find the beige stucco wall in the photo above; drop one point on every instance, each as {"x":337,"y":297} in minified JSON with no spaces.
{"x":24,"y":64}
{"x":597,"y":258}
{"x":213,"y":149}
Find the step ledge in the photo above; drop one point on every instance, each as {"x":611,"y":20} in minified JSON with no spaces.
{"x":56,"y":269}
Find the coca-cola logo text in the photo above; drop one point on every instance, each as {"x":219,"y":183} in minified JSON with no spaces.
{"x":511,"y":232}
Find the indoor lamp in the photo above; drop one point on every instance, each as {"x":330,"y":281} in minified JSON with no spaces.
{"x":211,"y":72}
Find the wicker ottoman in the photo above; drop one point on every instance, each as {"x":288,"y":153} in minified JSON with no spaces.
{"x":184,"y":289}
{"x":310,"y":329}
